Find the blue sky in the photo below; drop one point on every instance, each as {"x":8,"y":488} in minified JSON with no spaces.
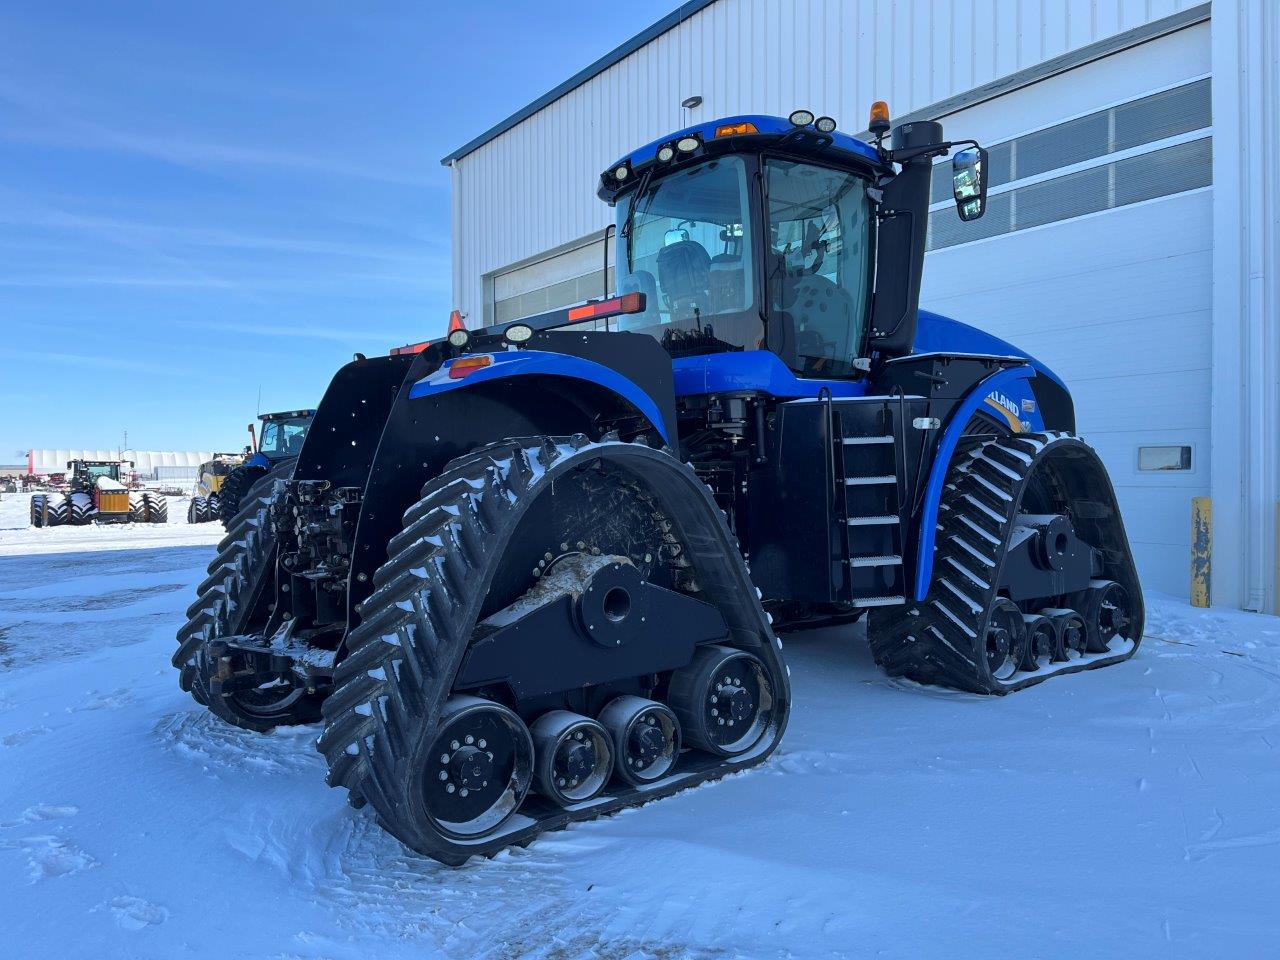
{"x":201,"y":201}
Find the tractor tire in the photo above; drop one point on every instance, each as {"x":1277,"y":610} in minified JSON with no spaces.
{"x":59,"y":507}
{"x":47,"y":510}
{"x":137,"y":507}
{"x":157,"y":507}
{"x":227,"y":598}
{"x":237,"y":483}
{"x":467,"y":547}
{"x":959,"y":636}
{"x":193,"y":511}
{"x":80,"y":509}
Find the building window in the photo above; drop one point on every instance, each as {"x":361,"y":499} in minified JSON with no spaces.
{"x":1164,"y":458}
{"x":1164,"y":170}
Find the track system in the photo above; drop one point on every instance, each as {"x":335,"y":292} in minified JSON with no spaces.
{"x":226,"y":601}
{"x":969,"y":633}
{"x":539,"y":629}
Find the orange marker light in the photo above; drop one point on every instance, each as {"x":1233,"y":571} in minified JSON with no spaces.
{"x":879,"y":117}
{"x":455,"y":321}
{"x":735,"y":129}
{"x":464,"y":366}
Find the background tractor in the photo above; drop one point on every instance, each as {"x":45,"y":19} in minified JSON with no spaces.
{"x":283,"y":435}
{"x":206,"y":498}
{"x":509,"y":570}
{"x":98,"y":494}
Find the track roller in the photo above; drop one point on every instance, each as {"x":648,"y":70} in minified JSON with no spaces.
{"x":1042,"y":641}
{"x":723,"y":699}
{"x":574,"y":757}
{"x":1071,"y":637}
{"x":646,"y":738}
{"x":480,"y":765}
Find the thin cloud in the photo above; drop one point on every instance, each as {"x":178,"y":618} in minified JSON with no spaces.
{"x":80,"y":134}
{"x":95,"y":361}
{"x":310,"y":331}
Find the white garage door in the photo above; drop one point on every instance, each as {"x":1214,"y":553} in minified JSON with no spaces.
{"x":1095,"y":257}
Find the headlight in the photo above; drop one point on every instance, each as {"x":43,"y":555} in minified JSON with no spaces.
{"x":800,"y":118}
{"x":825,"y":125}
{"x":665,"y":154}
{"x":621,"y":173}
{"x":459,"y":338}
{"x":687,"y":144}
{"x":518,"y":333}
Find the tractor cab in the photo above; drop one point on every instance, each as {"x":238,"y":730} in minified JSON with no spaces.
{"x":761,"y":234}
{"x":84,"y":474}
{"x":283,"y":433}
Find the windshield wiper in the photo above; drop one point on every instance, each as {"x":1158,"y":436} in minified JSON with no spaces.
{"x":625,"y":232}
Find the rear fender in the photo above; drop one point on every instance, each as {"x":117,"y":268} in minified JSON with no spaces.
{"x":1007,"y":396}
{"x":435,"y":419}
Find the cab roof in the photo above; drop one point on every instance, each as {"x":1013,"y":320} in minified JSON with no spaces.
{"x":770,"y":131}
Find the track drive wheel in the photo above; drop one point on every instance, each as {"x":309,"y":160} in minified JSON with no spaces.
{"x":601,"y":539}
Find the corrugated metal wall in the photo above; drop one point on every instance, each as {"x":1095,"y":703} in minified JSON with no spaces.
{"x":533,"y":188}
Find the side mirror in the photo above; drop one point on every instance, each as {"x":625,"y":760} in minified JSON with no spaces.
{"x":969,"y":182}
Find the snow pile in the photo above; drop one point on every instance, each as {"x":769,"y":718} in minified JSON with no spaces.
{"x":1126,"y":812}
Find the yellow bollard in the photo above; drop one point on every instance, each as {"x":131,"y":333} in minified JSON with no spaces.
{"x":1201,"y":549}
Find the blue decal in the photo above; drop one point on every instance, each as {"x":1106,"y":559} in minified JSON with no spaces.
{"x":516,"y":363}
{"x":751,"y":370}
{"x":259,"y":460}
{"x":1008,"y":390}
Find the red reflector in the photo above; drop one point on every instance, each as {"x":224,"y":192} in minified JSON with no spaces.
{"x":468,"y":365}
{"x":455,"y":321}
{"x":627,"y":303}
{"x":410,"y":348}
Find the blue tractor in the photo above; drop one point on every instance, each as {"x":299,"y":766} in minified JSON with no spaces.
{"x":272,"y":453}
{"x":534,"y":573}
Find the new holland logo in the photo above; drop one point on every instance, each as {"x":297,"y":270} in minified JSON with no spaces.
{"x":1009,"y":410}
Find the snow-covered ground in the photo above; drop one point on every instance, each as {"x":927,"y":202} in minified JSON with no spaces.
{"x":1130,"y":811}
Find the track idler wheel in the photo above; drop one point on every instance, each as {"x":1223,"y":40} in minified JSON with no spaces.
{"x":723,"y":699}
{"x":479,"y":767}
{"x":646,"y":738}
{"x":1042,"y":641}
{"x":1104,"y":607}
{"x":574,"y":757}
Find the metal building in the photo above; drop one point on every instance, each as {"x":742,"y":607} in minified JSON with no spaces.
{"x":151,"y":464}
{"x":1131,"y":238}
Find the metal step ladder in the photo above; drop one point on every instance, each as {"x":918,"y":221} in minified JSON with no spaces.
{"x":868,"y":514}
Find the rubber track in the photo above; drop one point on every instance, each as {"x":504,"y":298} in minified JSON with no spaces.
{"x":940,"y":640}
{"x":417,"y":624}
{"x":245,"y":556}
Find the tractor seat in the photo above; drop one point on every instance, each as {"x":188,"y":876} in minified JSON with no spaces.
{"x":684,"y":274}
